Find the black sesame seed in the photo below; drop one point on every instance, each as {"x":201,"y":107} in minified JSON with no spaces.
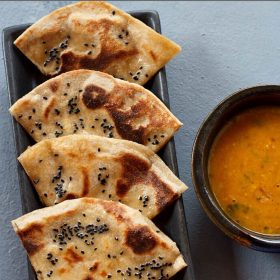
{"x":34,"y":110}
{"x":146,"y":75}
{"x":113,"y":13}
{"x":20,"y":116}
{"x":98,"y":149}
{"x":44,"y":42}
{"x":135,"y":78}
{"x":89,"y":53}
{"x":45,"y":194}
{"x":44,"y":134}
{"x":86,"y":45}
{"x":65,"y":94}
{"x":45,"y":98}
{"x":36,"y":181}
{"x":29,"y":117}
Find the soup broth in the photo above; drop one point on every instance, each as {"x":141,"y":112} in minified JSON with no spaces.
{"x":244,"y":169}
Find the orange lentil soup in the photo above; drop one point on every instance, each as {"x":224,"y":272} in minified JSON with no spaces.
{"x":244,"y":169}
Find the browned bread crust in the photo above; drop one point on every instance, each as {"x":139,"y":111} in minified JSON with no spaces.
{"x":91,"y":102}
{"x":87,"y":238}
{"x":84,"y":165}
{"x":96,"y":35}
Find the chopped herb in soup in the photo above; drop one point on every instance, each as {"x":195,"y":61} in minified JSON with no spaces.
{"x":244,"y":169}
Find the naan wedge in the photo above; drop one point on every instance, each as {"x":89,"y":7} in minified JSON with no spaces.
{"x":81,"y":165}
{"x":91,"y":102}
{"x":87,"y":238}
{"x":98,"y":36}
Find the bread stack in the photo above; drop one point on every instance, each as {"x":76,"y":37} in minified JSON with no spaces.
{"x":94,"y":165}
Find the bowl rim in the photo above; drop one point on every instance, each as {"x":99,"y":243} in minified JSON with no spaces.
{"x":244,"y":236}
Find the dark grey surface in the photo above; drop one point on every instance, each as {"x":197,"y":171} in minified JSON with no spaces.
{"x":226,"y":46}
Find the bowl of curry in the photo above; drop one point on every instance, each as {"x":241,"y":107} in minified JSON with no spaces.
{"x":236,"y":167}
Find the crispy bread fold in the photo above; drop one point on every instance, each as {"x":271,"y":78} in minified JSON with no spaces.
{"x":91,"y":102}
{"x":98,"y":36}
{"x":91,"y":166}
{"x":88,"y":238}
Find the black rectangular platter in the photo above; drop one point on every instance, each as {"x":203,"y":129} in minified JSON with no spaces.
{"x":23,"y":76}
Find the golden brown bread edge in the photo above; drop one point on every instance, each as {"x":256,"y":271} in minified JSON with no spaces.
{"x":89,"y":238}
{"x":96,"y":35}
{"x":91,"y":166}
{"x":92,"y":102}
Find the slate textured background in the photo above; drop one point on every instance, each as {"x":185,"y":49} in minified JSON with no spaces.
{"x":226,"y":46}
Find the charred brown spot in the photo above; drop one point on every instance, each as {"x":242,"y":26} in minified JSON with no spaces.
{"x":105,"y":58}
{"x":53,"y":86}
{"x":141,"y":240}
{"x":164,"y":195}
{"x":61,"y":270}
{"x":88,"y":278}
{"x":31,"y":238}
{"x":72,"y":155}
{"x":134,"y":171}
{"x":103,"y":273}
{"x":49,"y":107}
{"x":118,"y":212}
{"x":137,"y":171}
{"x":69,"y":62}
{"x":122,"y":188}
{"x":94,"y":97}
{"x":124,"y":128}
{"x":72,"y":257}
{"x":71,"y":196}
{"x":90,"y":156}
{"x":153,"y":55}
{"x":85,"y":181}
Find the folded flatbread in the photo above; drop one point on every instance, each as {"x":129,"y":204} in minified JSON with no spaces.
{"x":86,"y":239}
{"x":84,"y":165}
{"x":98,"y":36}
{"x":91,"y":102}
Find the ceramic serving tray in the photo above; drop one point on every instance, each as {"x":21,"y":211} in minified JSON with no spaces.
{"x":23,"y":76}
